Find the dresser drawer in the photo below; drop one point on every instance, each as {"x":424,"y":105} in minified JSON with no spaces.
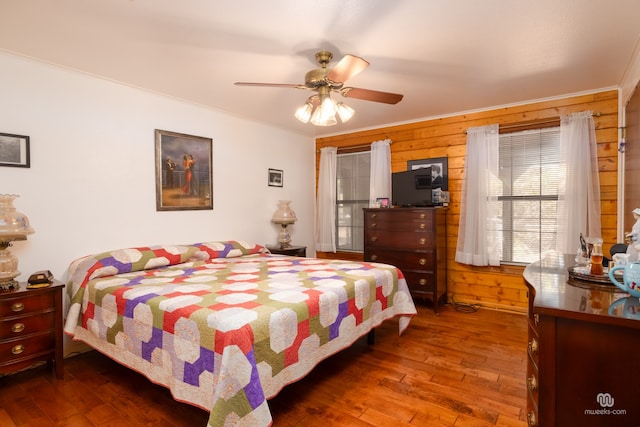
{"x":420,"y":281}
{"x":402,"y":260}
{"x":408,"y":240}
{"x":533,"y":346}
{"x":26,"y":304}
{"x":14,"y":327}
{"x":16,"y":349}
{"x":399,"y":220}
{"x":532,"y":382}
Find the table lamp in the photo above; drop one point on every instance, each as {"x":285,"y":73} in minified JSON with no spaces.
{"x":284,"y":216}
{"x":13,"y":226}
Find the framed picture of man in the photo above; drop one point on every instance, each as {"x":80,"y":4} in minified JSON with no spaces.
{"x":439,"y":171}
{"x":183,"y":171}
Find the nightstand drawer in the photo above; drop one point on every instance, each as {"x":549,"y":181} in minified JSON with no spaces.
{"x":24,"y":303}
{"x":21,"y":326}
{"x":11,"y":350}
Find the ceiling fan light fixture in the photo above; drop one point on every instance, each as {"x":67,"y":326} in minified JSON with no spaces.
{"x":325,"y":113}
{"x":344,"y":111}
{"x":304,"y":112}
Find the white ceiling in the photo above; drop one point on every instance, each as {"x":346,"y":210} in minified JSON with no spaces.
{"x":445,"y":56}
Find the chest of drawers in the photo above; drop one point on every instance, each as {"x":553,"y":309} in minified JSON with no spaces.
{"x":414,"y":240}
{"x":583,"y":341}
{"x":31,"y":328}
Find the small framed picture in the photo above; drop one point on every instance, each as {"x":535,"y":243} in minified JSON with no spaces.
{"x":276,"y":178}
{"x":383,"y":202}
{"x":14,"y":150}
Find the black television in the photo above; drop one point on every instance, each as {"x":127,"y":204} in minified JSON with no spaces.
{"x":411,"y":188}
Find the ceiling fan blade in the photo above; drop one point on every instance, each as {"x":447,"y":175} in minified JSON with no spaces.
{"x":371,"y":95}
{"x":287,"y":85}
{"x":348,"y":67}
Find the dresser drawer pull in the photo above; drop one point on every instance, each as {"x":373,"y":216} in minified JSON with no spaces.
{"x":422,"y":282}
{"x":373,"y":215}
{"x":374,"y":257}
{"x":422,"y":241}
{"x":17,"y":349}
{"x":422,"y":225}
{"x":532,"y":383}
{"x":422,"y":261}
{"x":422,"y":216}
{"x":536,"y":319}
{"x":18,"y":306}
{"x":374,"y":238}
{"x":531,"y":419}
{"x":17,"y":327}
{"x":373,"y":225}
{"x":533,"y":346}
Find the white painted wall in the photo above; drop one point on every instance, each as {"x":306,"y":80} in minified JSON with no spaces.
{"x":91,"y":184}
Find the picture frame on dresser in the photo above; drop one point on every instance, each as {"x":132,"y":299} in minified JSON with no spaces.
{"x":439,"y":171}
{"x":14,"y":150}
{"x":184,"y":170}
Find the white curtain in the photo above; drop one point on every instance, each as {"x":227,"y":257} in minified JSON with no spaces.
{"x":479,"y":238}
{"x":326,"y":201}
{"x":380,"y":177}
{"x":579,"y":192}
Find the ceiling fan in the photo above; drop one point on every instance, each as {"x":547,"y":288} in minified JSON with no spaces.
{"x":319,"y":108}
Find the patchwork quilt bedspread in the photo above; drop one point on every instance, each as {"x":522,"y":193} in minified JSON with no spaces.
{"x":226,"y":325}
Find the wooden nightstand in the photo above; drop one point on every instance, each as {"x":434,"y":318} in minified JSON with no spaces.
{"x":300,"y":251}
{"x":31,"y":328}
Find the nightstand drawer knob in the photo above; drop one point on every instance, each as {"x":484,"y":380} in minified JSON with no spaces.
{"x":374,"y":257}
{"x":423,"y":241}
{"x":422,"y":226}
{"x":533,"y":346}
{"x":18,"y":306}
{"x":374,"y":238}
{"x":422,"y":282}
{"x":17,"y":349}
{"x":422,"y":216}
{"x":422,"y":261}
{"x":373,"y":225}
{"x":17,"y":327}
{"x":532,"y":383}
{"x":373,"y":215}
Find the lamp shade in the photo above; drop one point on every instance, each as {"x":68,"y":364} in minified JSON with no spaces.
{"x":344,"y":111}
{"x":13,"y":225}
{"x":304,"y":113}
{"x":284,"y":214}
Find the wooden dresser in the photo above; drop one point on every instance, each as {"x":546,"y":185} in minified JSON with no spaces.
{"x":584,"y":344}
{"x":415,"y":241}
{"x":31,"y":328}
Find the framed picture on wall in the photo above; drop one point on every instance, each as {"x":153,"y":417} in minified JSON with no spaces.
{"x":276,"y":178}
{"x":184,"y":170}
{"x":439,"y":171}
{"x":14,"y":150}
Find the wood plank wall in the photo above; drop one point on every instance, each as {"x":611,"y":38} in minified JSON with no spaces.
{"x":496,"y":287}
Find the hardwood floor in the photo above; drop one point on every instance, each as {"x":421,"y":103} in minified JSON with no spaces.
{"x":455,"y":369}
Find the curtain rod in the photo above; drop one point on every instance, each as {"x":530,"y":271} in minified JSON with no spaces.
{"x":353,"y":147}
{"x":536,"y":122}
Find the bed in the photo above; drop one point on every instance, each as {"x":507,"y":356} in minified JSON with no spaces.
{"x":226,"y":325}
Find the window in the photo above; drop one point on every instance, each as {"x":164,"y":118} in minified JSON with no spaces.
{"x":352,"y":195}
{"x":529,"y":175}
